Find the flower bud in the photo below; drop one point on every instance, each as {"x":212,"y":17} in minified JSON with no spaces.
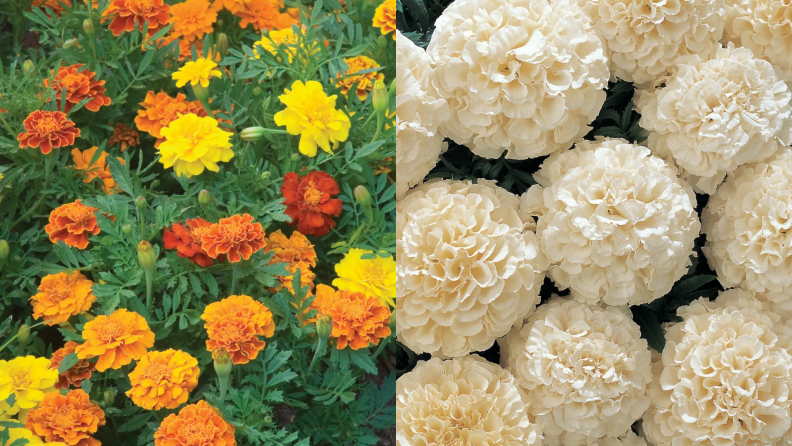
{"x":252,"y":133}
{"x":109,"y":397}
{"x":70,"y":43}
{"x":204,"y":197}
{"x":382,"y":42}
{"x":219,"y":23}
{"x":266,"y":175}
{"x":23,"y":334}
{"x":127,"y":228}
{"x":4,"y":250}
{"x":222,"y":44}
{"x":324,"y":326}
{"x":379,"y":98}
{"x":28,"y":66}
{"x":222,"y":363}
{"x":146,"y":256}
{"x":88,"y":27}
{"x":295,"y":156}
{"x":140,"y":203}
{"x":257,"y":91}
{"x":363,"y":196}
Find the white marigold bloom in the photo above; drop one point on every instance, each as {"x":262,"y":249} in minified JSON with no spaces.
{"x":725,"y":377}
{"x":645,"y":38}
{"x":747,"y":222}
{"x":628,"y":439}
{"x":419,"y":143}
{"x":717,"y":114}
{"x":619,"y":226}
{"x":520,"y":76}
{"x":462,"y":401}
{"x":764,"y":26}
{"x":584,"y":369}
{"x":468,"y":266}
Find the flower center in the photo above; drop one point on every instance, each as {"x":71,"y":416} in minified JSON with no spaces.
{"x":60,"y":291}
{"x":20,"y":378}
{"x":312,"y":194}
{"x":72,"y":82}
{"x":230,"y":333}
{"x":110,"y":331}
{"x":157,"y":371}
{"x":63,"y":418}
{"x":198,"y":433}
{"x":47,"y":125}
{"x":140,"y":7}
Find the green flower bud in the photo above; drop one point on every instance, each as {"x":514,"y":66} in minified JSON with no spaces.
{"x":222,"y":363}
{"x":146,"y":256}
{"x":109,"y":397}
{"x":363,"y":196}
{"x":127,"y":228}
{"x":295,"y":156}
{"x":379,"y":98}
{"x":324,"y":327}
{"x":252,"y":133}
{"x":88,"y":27}
{"x":265,"y":176}
{"x":28,"y":66}
{"x":392,"y":89}
{"x":140,"y":203}
{"x":204,"y":197}
{"x":4,"y":250}
{"x":257,"y":91}
{"x":23,"y":334}
{"x":222,"y":44}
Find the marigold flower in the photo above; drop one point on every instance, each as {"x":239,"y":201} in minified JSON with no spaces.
{"x":75,"y":375}
{"x":312,"y":114}
{"x":385,"y":17}
{"x":57,"y":6}
{"x":28,"y":378}
{"x":192,"y":19}
{"x":116,"y":339}
{"x":99,"y":169}
{"x":163,"y":379}
{"x":195,"y":425}
{"x":375,"y":277}
{"x":234,"y":324}
{"x":264,"y":14}
{"x":159,"y":110}
{"x":62,"y":295}
{"x":128,"y":13}
{"x":187,"y":241}
{"x":79,"y":85}
{"x":47,"y":130}
{"x":285,"y":39}
{"x":309,"y":204}
{"x":362,"y":83}
{"x":124,"y":135}
{"x":72,"y":223}
{"x":358,"y":320}
{"x":193,"y":143}
{"x":69,"y":418}
{"x":297,"y":252}
{"x":195,"y":72}
{"x":236,"y":236}
{"x":16,"y":433}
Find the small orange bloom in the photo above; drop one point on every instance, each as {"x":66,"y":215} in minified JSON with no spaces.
{"x":298,"y":252}
{"x":79,"y":85}
{"x":69,"y":418}
{"x":159,"y":110}
{"x":116,"y":339}
{"x":234,"y":324}
{"x":77,"y":373}
{"x":385,"y":17}
{"x":195,"y":425}
{"x":358,"y":320}
{"x":99,"y":169}
{"x":163,"y":379}
{"x":72,"y":223}
{"x":126,"y":14}
{"x":62,"y":295}
{"x":187,"y":241}
{"x":192,"y":19}
{"x":124,"y":135}
{"x":236,"y":236}
{"x":309,"y":202}
{"x":47,"y":130}
{"x":264,"y":15}
{"x":362,"y":83}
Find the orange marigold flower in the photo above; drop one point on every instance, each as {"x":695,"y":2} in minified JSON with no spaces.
{"x":385,"y":17}
{"x":163,"y":379}
{"x":116,"y":339}
{"x":235,"y":236}
{"x":69,"y":418}
{"x":234,"y":324}
{"x":195,"y":425}
{"x":76,"y":373}
{"x":47,"y":130}
{"x":358,"y":320}
{"x":72,"y":223}
{"x":79,"y":85}
{"x":309,"y":204}
{"x":62,"y":295}
{"x":159,"y":110}
{"x":264,"y":15}
{"x":124,"y":135}
{"x":187,"y":241}
{"x":99,"y":169}
{"x":298,"y":252}
{"x":192,"y":19}
{"x":362,"y":83}
{"x":126,"y":14}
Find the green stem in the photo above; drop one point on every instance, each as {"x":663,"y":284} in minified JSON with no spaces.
{"x":15,"y":336}
{"x":321,"y":348}
{"x":379,"y":349}
{"x":380,"y":122}
{"x":223,"y":387}
{"x":48,"y":162}
{"x":234,"y":274}
{"x":149,"y":287}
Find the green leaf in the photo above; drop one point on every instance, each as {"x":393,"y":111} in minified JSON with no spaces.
{"x":68,"y":362}
{"x":650,"y":327}
{"x":691,"y":284}
{"x":362,"y":359}
{"x":135,"y":422}
{"x":120,"y":175}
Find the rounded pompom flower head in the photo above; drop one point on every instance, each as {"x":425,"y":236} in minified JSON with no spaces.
{"x":375,"y":277}
{"x":264,"y":15}
{"x":75,"y":375}
{"x":234,"y":324}
{"x":196,"y":72}
{"x":27,"y":378}
{"x":359,"y":320}
{"x":62,"y":295}
{"x":361,"y":83}
{"x":79,"y":85}
{"x":47,"y":130}
{"x":192,"y":19}
{"x":193,"y":143}
{"x":297,"y":252}
{"x":128,"y":14}
{"x":764,"y":27}
{"x":70,"y":419}
{"x":236,"y":237}
{"x":385,"y":17}
{"x":159,"y":110}
{"x":195,"y":425}
{"x":462,"y":401}
{"x":187,"y":241}
{"x":309,"y":202}
{"x":311,"y":114}
{"x":116,"y":339}
{"x":72,"y":223}
{"x":163,"y":380}
{"x":125,"y":136}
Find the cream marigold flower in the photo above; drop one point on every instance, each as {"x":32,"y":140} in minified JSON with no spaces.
{"x":163,"y":380}
{"x":419,"y":111}
{"x":196,"y":72}
{"x":764,"y":27}
{"x":116,"y":339}
{"x":361,"y":83}
{"x":521,"y":76}
{"x":462,"y":401}
{"x":724,"y":378}
{"x":70,"y":419}
{"x":385,"y":17}
{"x":717,"y":114}
{"x":27,"y":378}
{"x":584,"y":370}
{"x":619,"y":226}
{"x":469,"y":266}
{"x":62,"y":295}
{"x":192,"y":19}
{"x":194,"y":143}
{"x":311,"y":114}
{"x":374,"y":277}
{"x":195,"y":425}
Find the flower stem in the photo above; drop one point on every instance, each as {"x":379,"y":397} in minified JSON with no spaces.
{"x":234,"y":274}
{"x":149,"y":287}
{"x":380,"y":122}
{"x":15,"y":336}
{"x":321,"y":348}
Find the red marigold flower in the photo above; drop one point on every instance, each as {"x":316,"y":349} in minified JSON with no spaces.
{"x":309,"y":204}
{"x":236,"y":236}
{"x":47,"y":130}
{"x":187,"y":241}
{"x":195,"y":425}
{"x":126,"y":14}
{"x":79,"y":85}
{"x":72,"y":223}
{"x":124,"y":135}
{"x":76,"y":373}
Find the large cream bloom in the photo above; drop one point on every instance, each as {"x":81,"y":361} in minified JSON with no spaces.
{"x":764,"y":26}
{"x":628,"y":439}
{"x":747,"y":222}
{"x":725,"y":377}
{"x":463,"y":401}
{"x":717,"y":114}
{"x":419,"y":142}
{"x":468,"y":266}
{"x":619,"y":225}
{"x":521,"y":76}
{"x":584,"y":370}
{"x":646,"y":38}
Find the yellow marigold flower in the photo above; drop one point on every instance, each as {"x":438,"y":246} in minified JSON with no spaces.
{"x":163,"y":379}
{"x":116,"y":339}
{"x":28,"y":378}
{"x":312,"y":114}
{"x":62,"y":295}
{"x":375,"y":277}
{"x":362,"y":83}
{"x":385,"y":17}
{"x":16,"y":433}
{"x":196,"y":72}
{"x":297,"y":252}
{"x":193,"y":143}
